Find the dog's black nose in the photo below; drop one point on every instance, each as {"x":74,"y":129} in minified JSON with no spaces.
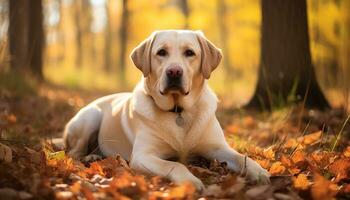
{"x":174,"y":72}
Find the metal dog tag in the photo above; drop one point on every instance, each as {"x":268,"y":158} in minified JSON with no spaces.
{"x":179,"y":120}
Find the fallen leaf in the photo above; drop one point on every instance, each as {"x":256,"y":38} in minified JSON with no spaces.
{"x":277,"y":168}
{"x":232,"y":129}
{"x":291,"y":143}
{"x":323,"y":189}
{"x":301,"y":182}
{"x":59,"y":155}
{"x":249,"y":121}
{"x":95,"y":168}
{"x":294,"y":170}
{"x":346,"y":152}
{"x":5,"y":153}
{"x":11,"y":118}
{"x":298,"y":157}
{"x":311,"y":138}
{"x":269,"y":153}
{"x":286,"y":161}
{"x":346,"y":189}
{"x":186,"y":189}
{"x":264,"y":163}
{"x":340,"y":169}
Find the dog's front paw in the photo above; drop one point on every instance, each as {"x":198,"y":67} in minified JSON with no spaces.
{"x":91,"y":158}
{"x":197,"y":183}
{"x":256,"y":173}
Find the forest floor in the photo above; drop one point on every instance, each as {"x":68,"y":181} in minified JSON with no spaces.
{"x":306,"y":151}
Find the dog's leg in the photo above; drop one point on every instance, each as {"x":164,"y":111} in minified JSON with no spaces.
{"x":214,"y":146}
{"x":175,"y":171}
{"x":79,"y":130}
{"x":239,"y":163}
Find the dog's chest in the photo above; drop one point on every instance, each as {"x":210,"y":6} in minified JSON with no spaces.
{"x":176,"y":135}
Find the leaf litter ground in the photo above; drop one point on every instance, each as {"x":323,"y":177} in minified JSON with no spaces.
{"x":306,"y":151}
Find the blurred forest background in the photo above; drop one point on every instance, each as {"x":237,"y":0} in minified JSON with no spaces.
{"x":85,"y":44}
{"x":284,"y":56}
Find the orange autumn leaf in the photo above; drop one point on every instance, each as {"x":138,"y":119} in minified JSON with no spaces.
{"x":248,"y":121}
{"x":311,"y":138}
{"x":346,"y":188}
{"x":182,"y":191}
{"x":298,"y":156}
{"x":346,"y":152}
{"x":12,"y":118}
{"x":294,"y":170}
{"x":269,"y":153}
{"x":264,"y":163}
{"x":340,"y":169}
{"x":95,"y":168}
{"x":277,"y":168}
{"x":76,"y":187}
{"x":323,"y":189}
{"x":291,"y":143}
{"x":286,"y":161}
{"x":301,"y":182}
{"x":232,"y":128}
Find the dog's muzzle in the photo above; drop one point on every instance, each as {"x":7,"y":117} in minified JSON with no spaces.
{"x":174,"y":81}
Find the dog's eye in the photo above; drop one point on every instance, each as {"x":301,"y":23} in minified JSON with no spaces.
{"x":189,"y":53}
{"x":162,"y":52}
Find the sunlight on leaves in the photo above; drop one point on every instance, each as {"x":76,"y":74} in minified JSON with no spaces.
{"x":301,"y":182}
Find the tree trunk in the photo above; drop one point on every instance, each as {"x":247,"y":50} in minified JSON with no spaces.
{"x":108,"y":40}
{"x":344,"y":56}
{"x":221,"y":12}
{"x":183,"y":4}
{"x":17,"y":34}
{"x":78,"y":34}
{"x":123,"y":32}
{"x":35,"y":38}
{"x":285,"y":63}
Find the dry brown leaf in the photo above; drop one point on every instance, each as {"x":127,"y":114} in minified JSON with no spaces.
{"x":346,"y":152}
{"x":294,"y":170}
{"x":311,"y":138}
{"x":264,"y":163}
{"x":298,"y":156}
{"x":346,"y":189}
{"x":301,"y":182}
{"x":249,"y":121}
{"x":291,"y":143}
{"x":88,"y":194}
{"x":5,"y":153}
{"x":227,"y":188}
{"x":323,"y":189}
{"x":11,"y":118}
{"x":184,"y":190}
{"x":286,"y":161}
{"x":232,"y":128}
{"x":340,"y":169}
{"x":277,"y":168}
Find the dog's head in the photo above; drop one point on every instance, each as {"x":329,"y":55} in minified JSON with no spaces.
{"x":175,"y":64}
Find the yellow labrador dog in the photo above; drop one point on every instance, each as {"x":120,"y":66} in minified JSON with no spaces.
{"x":170,"y":113}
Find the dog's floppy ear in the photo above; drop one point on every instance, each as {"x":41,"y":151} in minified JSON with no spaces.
{"x":211,"y":55}
{"x":141,"y":55}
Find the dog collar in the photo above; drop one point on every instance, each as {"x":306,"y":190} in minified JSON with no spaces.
{"x":179,"y":120}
